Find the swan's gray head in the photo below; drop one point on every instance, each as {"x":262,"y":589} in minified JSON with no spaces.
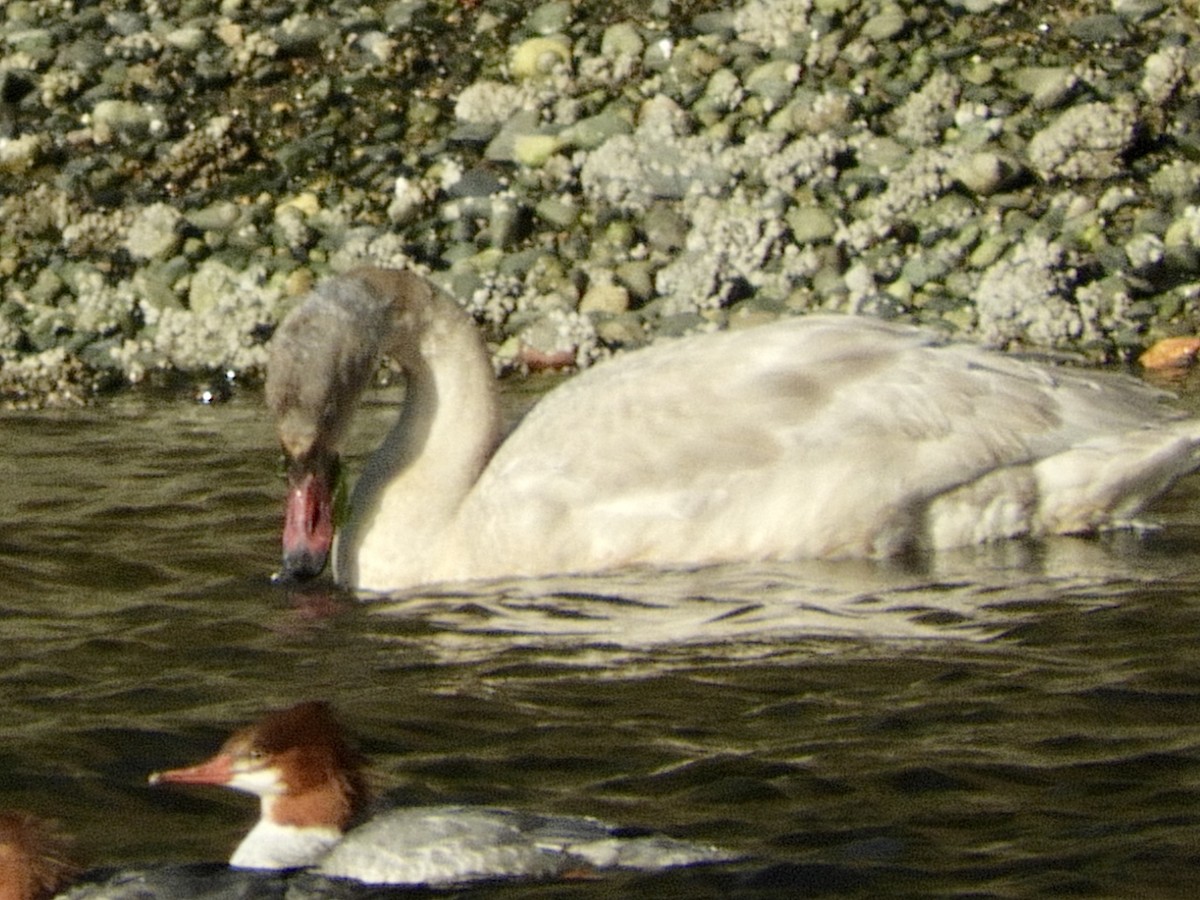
{"x":321,"y":358}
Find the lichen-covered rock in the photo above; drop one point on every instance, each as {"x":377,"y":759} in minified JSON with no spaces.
{"x":728,"y":243}
{"x":924,"y":178}
{"x":154,"y":232}
{"x":656,"y":162}
{"x":927,"y":113}
{"x":1085,"y":142}
{"x":771,"y":23}
{"x":224,"y":326}
{"x":1164,"y":71}
{"x":113,"y":119}
{"x":1024,"y":297}
{"x":19,"y":154}
{"x":489,"y":102}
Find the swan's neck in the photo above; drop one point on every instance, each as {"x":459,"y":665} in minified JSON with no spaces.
{"x":408,"y":494}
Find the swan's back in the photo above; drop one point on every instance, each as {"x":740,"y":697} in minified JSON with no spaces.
{"x":813,"y":437}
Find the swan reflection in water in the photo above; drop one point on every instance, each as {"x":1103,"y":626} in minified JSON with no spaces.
{"x":659,"y":618}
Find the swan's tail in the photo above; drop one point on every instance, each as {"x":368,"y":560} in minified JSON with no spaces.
{"x":1098,"y":485}
{"x":1106,"y":482}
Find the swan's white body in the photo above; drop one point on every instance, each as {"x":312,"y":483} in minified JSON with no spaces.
{"x":823,"y":436}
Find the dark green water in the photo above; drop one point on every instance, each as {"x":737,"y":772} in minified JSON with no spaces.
{"x":1011,"y":723}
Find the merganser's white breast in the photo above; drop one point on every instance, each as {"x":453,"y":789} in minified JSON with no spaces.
{"x":270,"y":845}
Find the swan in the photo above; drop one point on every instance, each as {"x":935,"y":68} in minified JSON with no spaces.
{"x":819,"y":436}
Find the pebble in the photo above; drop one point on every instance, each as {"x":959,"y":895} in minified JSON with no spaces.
{"x":604,"y":295}
{"x":539,"y":56}
{"x":811,"y":224}
{"x":889,"y":22}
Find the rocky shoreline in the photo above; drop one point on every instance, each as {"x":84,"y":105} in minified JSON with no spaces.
{"x":586,"y":177}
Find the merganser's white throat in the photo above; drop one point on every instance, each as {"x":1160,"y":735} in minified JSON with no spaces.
{"x":270,"y":845}
{"x":312,"y":788}
{"x":815,"y":437}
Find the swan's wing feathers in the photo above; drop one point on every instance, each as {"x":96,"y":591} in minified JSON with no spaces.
{"x":857,"y":391}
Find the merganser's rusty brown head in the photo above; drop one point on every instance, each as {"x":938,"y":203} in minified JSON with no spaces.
{"x":296,"y":759}
{"x":34,"y":860}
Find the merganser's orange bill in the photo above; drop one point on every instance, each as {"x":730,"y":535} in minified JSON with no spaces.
{"x":218,"y":770}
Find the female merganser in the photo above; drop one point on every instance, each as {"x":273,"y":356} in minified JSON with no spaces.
{"x":312,"y":792}
{"x":34,"y":859}
{"x":821,"y":436}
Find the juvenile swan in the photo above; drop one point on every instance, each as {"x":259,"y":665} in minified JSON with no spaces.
{"x":822,"y":436}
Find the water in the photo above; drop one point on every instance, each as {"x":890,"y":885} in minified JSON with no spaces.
{"x":1013,"y":722}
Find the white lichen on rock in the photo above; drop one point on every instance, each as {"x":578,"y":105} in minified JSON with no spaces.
{"x":1086,"y":141}
{"x":729,"y":241}
{"x":97,"y":230}
{"x":367,"y":247}
{"x":1145,"y":250}
{"x":57,"y":85}
{"x":495,"y":299}
{"x":291,"y":227}
{"x":154,"y":232}
{"x":1184,"y":231}
{"x":489,"y":102}
{"x":561,"y":332}
{"x":222,"y":328}
{"x":1163,"y":71}
{"x":1104,"y":307}
{"x":100,"y":308}
{"x":807,"y":160}
{"x":409,"y":197}
{"x":18,"y":154}
{"x":926,"y":113}
{"x":50,"y":377}
{"x":1176,"y":179}
{"x":123,"y":119}
{"x":771,"y":23}
{"x":1025,"y":297}
{"x":924,"y":178}
{"x":658,"y":161}
{"x":244,"y":48}
{"x":141,"y":45}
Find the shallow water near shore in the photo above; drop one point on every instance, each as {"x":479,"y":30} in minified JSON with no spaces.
{"x":1012,"y":722}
